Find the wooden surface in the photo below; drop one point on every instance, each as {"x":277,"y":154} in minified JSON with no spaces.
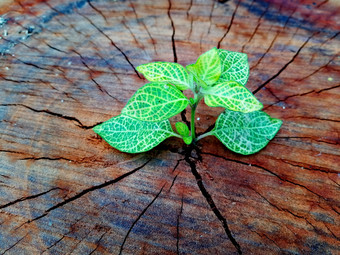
{"x":69,"y":65}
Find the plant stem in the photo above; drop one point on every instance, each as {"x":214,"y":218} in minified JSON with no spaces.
{"x":192,"y":123}
{"x":204,"y":135}
{"x":175,"y":134}
{"x":197,"y":98}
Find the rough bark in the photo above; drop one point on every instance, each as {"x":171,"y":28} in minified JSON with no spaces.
{"x":68,"y":65}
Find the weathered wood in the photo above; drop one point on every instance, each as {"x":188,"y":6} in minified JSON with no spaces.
{"x":68,"y":65}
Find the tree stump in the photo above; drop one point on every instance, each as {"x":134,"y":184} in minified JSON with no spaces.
{"x":67,"y":66}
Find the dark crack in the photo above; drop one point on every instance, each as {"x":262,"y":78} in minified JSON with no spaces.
{"x":304,"y":94}
{"x":173,"y":182}
{"x":54,"y":244}
{"x":110,"y":67}
{"x":13,"y":245}
{"x":256,"y":28}
{"x":97,"y":10}
{"x":112,"y":43}
{"x":27,"y":198}
{"x":61,"y":23}
{"x":96,"y":187}
{"x":264,"y":198}
{"x":12,"y":42}
{"x":64,"y":235}
{"x":81,"y":125}
{"x":333,"y":87}
{"x":173,"y":33}
{"x":271,"y":92}
{"x":173,"y":170}
{"x":79,"y":240}
{"x":285,"y":66}
{"x":184,"y":117}
{"x":138,"y":218}
{"x":317,"y":70}
{"x":274,"y":39}
{"x":210,"y":16}
{"x":9,"y":151}
{"x":266,"y":52}
{"x":323,"y":43}
{"x":45,"y":158}
{"x":16,"y":81}
{"x":335,"y":210}
{"x":321,"y":4}
{"x":327,"y":171}
{"x":191,"y":25}
{"x":189,"y":9}
{"x":60,"y":91}
{"x":264,"y":235}
{"x":332,"y":233}
{"x":91,"y":71}
{"x":98,"y":242}
{"x":132,"y":34}
{"x":177,"y":164}
{"x":308,"y":137}
{"x":88,"y":190}
{"x":285,"y":210}
{"x":55,"y":48}
{"x":70,"y":231}
{"x":34,"y":65}
{"x":210,"y":201}
{"x":231,"y":23}
{"x":139,"y":21}
{"x":191,"y":18}
{"x":269,"y":171}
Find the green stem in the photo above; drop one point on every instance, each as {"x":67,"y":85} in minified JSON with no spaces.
{"x":175,"y":134}
{"x":192,"y":124}
{"x":197,"y":98}
{"x":204,"y":135}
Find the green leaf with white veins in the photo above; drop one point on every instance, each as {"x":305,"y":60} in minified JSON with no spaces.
{"x":232,"y":96}
{"x":166,"y":72}
{"x":207,"y":67}
{"x":155,"y":102}
{"x":130,"y":135}
{"x":235,"y":66}
{"x":246,"y":133}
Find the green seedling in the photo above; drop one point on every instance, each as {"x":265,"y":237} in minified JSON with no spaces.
{"x":219,"y":76}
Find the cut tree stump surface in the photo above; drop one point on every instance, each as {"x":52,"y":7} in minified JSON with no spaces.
{"x":67,"y":66}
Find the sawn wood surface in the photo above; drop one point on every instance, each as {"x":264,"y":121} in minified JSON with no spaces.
{"x":66,"y":66}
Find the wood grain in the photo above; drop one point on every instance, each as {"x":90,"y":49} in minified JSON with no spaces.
{"x":68,"y":65}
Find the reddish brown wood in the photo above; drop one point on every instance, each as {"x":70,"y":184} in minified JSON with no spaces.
{"x":69,"y":65}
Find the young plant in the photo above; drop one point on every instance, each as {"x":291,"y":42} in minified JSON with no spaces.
{"x":219,"y":76}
